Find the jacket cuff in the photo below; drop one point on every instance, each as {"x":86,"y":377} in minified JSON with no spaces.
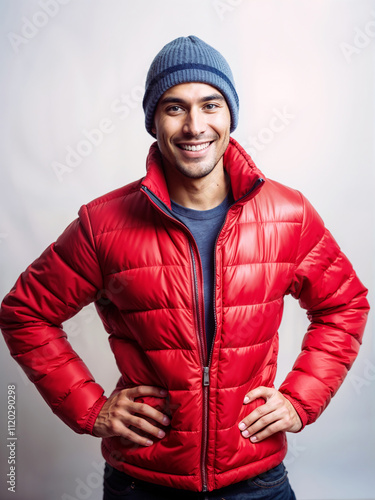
{"x":299,"y":409}
{"x":94,"y":415}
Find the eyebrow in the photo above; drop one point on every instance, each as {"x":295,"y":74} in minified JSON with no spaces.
{"x":178,"y":100}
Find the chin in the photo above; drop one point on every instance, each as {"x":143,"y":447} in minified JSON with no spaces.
{"x":195,"y":173}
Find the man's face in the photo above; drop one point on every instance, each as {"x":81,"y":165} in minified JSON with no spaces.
{"x":192,"y":126}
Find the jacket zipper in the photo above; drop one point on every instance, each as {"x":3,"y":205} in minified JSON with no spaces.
{"x":202,"y":344}
{"x":201,"y":340}
{"x":206,"y":379}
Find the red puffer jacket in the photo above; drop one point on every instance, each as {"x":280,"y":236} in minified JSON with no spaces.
{"x":127,"y":253}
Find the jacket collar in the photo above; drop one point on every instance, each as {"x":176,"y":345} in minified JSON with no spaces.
{"x":242,"y":171}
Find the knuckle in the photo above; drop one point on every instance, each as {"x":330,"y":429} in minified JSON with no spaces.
{"x":115,"y":427}
{"x":142,"y":407}
{"x":278,"y":427}
{"x":117,"y":413}
{"x":285,"y":411}
{"x":127,"y":434}
{"x":123,"y":394}
{"x":121,"y":400}
{"x":140,"y":423}
{"x":258,"y":412}
{"x":264,"y":421}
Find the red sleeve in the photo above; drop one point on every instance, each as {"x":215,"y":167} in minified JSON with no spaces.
{"x":327,"y":287}
{"x":65,"y":278}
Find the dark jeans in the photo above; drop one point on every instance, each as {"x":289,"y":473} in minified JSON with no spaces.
{"x":271,"y":485}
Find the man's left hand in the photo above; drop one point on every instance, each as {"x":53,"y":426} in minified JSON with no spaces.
{"x":275,"y":415}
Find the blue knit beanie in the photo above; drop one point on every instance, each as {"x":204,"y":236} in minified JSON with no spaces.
{"x":188,"y":59}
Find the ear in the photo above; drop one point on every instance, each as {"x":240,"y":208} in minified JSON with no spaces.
{"x":153,"y":130}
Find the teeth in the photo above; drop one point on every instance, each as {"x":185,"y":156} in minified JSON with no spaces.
{"x":199,"y":147}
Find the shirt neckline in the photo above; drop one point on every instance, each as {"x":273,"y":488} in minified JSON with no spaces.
{"x":211,"y":213}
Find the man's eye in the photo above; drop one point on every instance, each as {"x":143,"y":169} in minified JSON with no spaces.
{"x":211,"y":106}
{"x":174,"y":109}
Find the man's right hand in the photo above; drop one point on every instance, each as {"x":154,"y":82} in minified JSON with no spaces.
{"x":120,"y":412}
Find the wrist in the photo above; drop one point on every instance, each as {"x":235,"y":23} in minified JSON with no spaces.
{"x":94,"y":415}
{"x":303,"y":417}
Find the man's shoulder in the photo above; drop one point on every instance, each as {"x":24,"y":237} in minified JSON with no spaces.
{"x":277,"y":202}
{"x":277,"y":195}
{"x":280,"y":190}
{"x":114,"y":210}
{"x":115,"y":196}
{"x":280,"y":203}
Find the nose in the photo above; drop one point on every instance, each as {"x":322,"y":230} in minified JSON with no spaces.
{"x":195,"y":123}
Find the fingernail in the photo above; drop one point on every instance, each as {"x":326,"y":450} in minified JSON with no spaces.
{"x":242,"y":426}
{"x":254,"y":439}
{"x":246,"y":434}
{"x":166,"y":420}
{"x":161,"y":434}
{"x":149,"y":443}
{"x":246,"y":399}
{"x":163,"y":392}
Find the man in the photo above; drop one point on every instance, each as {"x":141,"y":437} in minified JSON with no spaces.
{"x":188,"y":268}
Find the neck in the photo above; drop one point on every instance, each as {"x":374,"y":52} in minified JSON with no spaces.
{"x":199,"y":194}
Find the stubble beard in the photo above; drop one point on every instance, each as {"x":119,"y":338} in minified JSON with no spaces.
{"x":198,"y":173}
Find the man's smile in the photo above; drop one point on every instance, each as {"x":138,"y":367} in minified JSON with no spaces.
{"x":194,"y":146}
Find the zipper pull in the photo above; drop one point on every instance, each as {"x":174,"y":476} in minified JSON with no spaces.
{"x":206,"y":376}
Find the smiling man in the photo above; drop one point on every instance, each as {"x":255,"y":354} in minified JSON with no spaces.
{"x":192,"y":126}
{"x":188,"y":268}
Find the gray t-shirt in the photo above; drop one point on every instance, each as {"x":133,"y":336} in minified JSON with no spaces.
{"x":205,"y":226}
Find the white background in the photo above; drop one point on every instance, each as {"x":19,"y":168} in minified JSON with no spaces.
{"x":65,"y":71}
